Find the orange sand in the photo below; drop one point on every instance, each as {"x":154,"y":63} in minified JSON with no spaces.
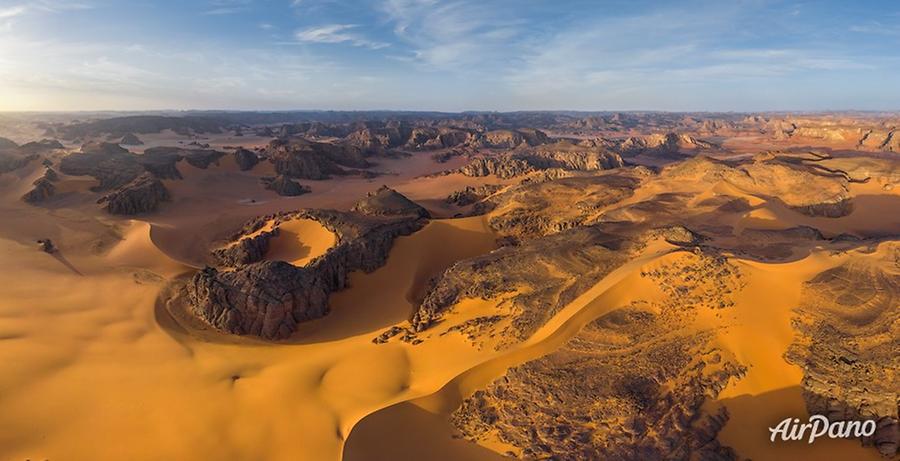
{"x":299,"y":241}
{"x":91,"y":369}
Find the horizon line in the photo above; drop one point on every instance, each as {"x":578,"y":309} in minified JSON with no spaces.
{"x":470,"y":111}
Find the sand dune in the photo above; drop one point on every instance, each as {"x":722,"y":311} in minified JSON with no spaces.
{"x":757,"y":331}
{"x":93,"y":366}
{"x":225,"y":400}
{"x":188,"y":395}
{"x":299,"y":241}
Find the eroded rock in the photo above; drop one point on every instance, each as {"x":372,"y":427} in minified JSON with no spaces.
{"x":142,"y":195}
{"x":269,"y":298}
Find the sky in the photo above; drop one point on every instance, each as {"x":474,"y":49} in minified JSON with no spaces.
{"x":454,"y":55}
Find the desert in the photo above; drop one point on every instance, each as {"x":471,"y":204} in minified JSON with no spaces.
{"x":451,"y":230}
{"x":573,"y":295}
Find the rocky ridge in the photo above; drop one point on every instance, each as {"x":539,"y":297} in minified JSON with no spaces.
{"x":269,"y":298}
{"x":847,"y":344}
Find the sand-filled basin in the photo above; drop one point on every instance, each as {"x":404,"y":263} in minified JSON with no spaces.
{"x":299,"y":241}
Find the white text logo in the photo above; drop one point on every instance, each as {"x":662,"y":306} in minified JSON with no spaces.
{"x":819,"y":426}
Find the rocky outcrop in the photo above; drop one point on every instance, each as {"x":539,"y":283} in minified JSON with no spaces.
{"x":47,"y":246}
{"x":470,"y":194}
{"x":43,"y":187}
{"x":428,"y":138}
{"x":536,"y":278}
{"x":141,"y":195}
{"x":245,"y":159}
{"x":539,"y":208}
{"x":50,"y":174}
{"x":11,"y":161}
{"x":834,"y":208}
{"x":663,"y":144}
{"x":201,"y":158}
{"x":13,"y":157}
{"x":563,"y":156}
{"x":265,"y":299}
{"x":40,"y":147}
{"x":301,"y":158}
{"x":370,"y":140}
{"x":388,"y":202}
{"x":43,"y":190}
{"x":845,"y":377}
{"x":269,"y":298}
{"x":500,"y":166}
{"x":509,"y":139}
{"x":130,"y":139}
{"x":796,"y":185}
{"x":162,"y":162}
{"x":626,"y":387}
{"x":248,"y":246}
{"x":284,"y":186}
{"x":110,"y":164}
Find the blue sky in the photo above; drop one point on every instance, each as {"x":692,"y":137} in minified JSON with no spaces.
{"x":449,"y":55}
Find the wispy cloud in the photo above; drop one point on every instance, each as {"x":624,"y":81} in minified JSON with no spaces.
{"x":10,"y":14}
{"x":12,"y":11}
{"x":224,"y":7}
{"x":455,"y":34}
{"x":876,"y":28}
{"x":120,"y":75}
{"x":223,"y":11}
{"x":337,"y":33}
{"x":449,"y":54}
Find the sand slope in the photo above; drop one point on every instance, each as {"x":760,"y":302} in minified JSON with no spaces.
{"x":299,"y":241}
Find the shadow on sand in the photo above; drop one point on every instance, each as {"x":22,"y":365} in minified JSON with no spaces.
{"x":65,"y":262}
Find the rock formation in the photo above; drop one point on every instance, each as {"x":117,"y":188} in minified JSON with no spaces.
{"x":269,"y":298}
{"x":798,"y":187}
{"x":284,"y":186}
{"x":13,"y":156}
{"x":46,"y":245}
{"x":471,"y":195}
{"x":563,"y":265}
{"x":638,"y":396}
{"x":39,"y":147}
{"x":43,"y":189}
{"x":536,"y":209}
{"x":130,"y":139}
{"x":846,"y":377}
{"x":245,"y":159}
{"x":248,"y":246}
{"x":300,"y":158}
{"x":563,"y":155}
{"x":141,"y":195}
{"x":508,"y":139}
{"x":110,"y":164}
{"x":388,"y":202}
{"x":11,"y":161}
